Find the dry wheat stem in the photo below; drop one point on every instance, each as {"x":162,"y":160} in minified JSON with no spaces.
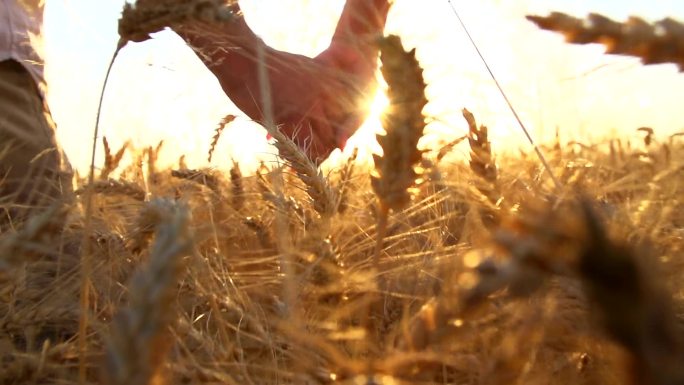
{"x":536,"y":148}
{"x":86,"y":265}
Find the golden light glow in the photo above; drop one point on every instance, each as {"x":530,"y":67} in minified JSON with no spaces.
{"x":160,"y":90}
{"x":364,"y":138}
{"x":378,"y":105}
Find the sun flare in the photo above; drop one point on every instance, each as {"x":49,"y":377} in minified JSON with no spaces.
{"x":364,"y":138}
{"x":378,"y":105}
{"x":160,"y":90}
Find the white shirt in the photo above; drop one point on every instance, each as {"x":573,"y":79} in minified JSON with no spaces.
{"x":20,"y":35}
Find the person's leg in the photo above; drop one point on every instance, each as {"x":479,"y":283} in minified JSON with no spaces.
{"x":33,"y":171}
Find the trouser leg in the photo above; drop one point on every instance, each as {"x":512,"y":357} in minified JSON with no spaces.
{"x":33,"y":171}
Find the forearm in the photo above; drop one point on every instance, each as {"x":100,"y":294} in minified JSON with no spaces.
{"x":214,"y":41}
{"x":361,"y":19}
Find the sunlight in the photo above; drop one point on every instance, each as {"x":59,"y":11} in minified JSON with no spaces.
{"x":160,"y":90}
{"x":364,"y":138}
{"x":378,"y":105}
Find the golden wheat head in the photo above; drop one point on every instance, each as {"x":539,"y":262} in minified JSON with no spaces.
{"x":395,"y":171}
{"x":481,"y":158}
{"x":323,"y":197}
{"x":145,"y":17}
{"x":660,"y":42}
{"x":138,"y":340}
{"x":225,"y":121}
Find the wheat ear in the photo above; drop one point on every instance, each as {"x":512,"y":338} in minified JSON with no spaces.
{"x":202,"y":177}
{"x":30,"y":241}
{"x":111,"y":161}
{"x":481,"y":158}
{"x":660,"y":42}
{"x":237,"y":187}
{"x":145,"y":17}
{"x":138,"y":340}
{"x":322,"y":196}
{"x":115,"y":187}
{"x":447,"y":148}
{"x":152,"y":157}
{"x":225,"y":121}
{"x":396,"y":172}
{"x":261,"y":230}
{"x":628,"y":300}
{"x":346,"y":174}
{"x":632,"y":306}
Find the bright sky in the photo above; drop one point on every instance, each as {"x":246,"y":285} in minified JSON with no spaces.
{"x":160,"y":90}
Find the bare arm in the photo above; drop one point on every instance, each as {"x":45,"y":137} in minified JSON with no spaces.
{"x":318,"y":99}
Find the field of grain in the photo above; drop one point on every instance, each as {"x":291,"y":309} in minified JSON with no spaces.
{"x":421,"y":269}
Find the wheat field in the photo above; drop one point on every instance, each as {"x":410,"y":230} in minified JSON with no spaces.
{"x":423,"y":269}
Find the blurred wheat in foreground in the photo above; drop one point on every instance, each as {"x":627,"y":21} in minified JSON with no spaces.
{"x":661,"y":42}
{"x":487,"y":274}
{"x":557,"y":290}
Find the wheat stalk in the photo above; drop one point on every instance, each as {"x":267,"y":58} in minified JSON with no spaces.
{"x":660,"y":42}
{"x":628,"y":300}
{"x":632,"y":306}
{"x":261,"y":230}
{"x":225,"y":121}
{"x":147,"y":220}
{"x":263,"y":184}
{"x":395,"y":172}
{"x":238,"y":189}
{"x":115,"y":187}
{"x":182,"y":165}
{"x":648,"y":135}
{"x":447,"y":148}
{"x":322,"y":196}
{"x":145,"y":17}
{"x":483,"y":166}
{"x":202,"y":177}
{"x":265,"y":187}
{"x":138,"y":339}
{"x":111,"y":161}
{"x":33,"y":237}
{"x":481,"y":158}
{"x":136,"y":24}
{"x":346,"y":174}
{"x":152,"y":158}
